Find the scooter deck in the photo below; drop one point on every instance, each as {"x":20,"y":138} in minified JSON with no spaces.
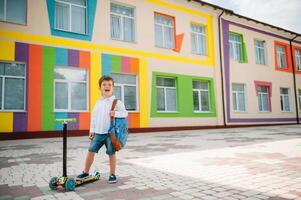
{"x":88,"y":179}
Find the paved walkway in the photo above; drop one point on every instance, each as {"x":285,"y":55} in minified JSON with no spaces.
{"x":227,"y":164}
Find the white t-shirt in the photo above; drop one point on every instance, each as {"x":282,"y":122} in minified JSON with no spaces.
{"x":100,"y":121}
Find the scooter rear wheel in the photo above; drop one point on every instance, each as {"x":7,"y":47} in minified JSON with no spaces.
{"x":70,"y":184}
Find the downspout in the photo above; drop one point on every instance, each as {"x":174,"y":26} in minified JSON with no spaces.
{"x":221,"y":65}
{"x":294,"y":77}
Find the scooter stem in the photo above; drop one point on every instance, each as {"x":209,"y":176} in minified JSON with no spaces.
{"x":65,"y":149}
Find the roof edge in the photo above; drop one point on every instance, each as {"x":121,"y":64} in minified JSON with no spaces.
{"x":231,"y":12}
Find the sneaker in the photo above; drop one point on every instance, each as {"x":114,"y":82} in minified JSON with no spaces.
{"x":82,"y":176}
{"x":112,"y":179}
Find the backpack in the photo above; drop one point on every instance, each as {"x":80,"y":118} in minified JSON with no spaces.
{"x":118,"y":130}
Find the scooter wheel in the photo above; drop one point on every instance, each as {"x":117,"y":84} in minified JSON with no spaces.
{"x":70,"y":184}
{"x":97,"y":174}
{"x":53,"y":183}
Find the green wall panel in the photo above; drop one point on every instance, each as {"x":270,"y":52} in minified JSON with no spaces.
{"x":244,"y":58}
{"x":184,"y":96}
{"x":116,"y":63}
{"x":48,"y":115}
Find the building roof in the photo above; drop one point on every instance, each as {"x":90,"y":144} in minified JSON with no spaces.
{"x":231,"y":12}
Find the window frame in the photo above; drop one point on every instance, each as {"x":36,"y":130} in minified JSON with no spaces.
{"x":205,"y":35}
{"x":70,"y":17}
{"x":257,"y":48}
{"x":199,"y":91}
{"x":16,"y":77}
{"x":234,"y":43}
{"x":122,"y":22}
{"x":122,"y":90}
{"x":298,"y":59}
{"x":268,"y":98}
{"x":236,"y":95}
{"x":165,"y":101}
{"x":283,"y":100}
{"x":69,"y":109}
{"x":173,"y":20}
{"x":5,"y":11}
{"x":284,"y":54}
{"x":299,"y":97}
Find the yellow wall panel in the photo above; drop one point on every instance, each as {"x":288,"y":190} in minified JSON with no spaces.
{"x":6,"y":119}
{"x":95,"y":73}
{"x":7,"y":50}
{"x":209,"y":61}
{"x":143,"y":91}
{"x":60,"y":42}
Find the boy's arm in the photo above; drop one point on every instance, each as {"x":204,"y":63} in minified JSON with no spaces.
{"x":93,"y":120}
{"x":120,"y":111}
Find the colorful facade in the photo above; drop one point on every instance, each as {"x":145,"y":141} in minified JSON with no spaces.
{"x":267,"y":87}
{"x":164,"y":56}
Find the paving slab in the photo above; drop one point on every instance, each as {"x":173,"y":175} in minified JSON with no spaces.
{"x":240,"y":163}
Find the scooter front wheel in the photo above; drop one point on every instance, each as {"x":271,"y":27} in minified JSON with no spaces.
{"x":53,"y":183}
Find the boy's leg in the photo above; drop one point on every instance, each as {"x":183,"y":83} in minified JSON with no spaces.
{"x":95,"y":144}
{"x":89,"y":161}
{"x":112,"y":177}
{"x":111,"y":153}
{"x":112,"y":164}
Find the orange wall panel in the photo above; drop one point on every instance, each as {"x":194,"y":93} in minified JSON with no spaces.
{"x":34,"y":121}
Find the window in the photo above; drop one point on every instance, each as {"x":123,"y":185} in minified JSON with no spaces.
{"x":260,"y":52}
{"x":281,"y":60}
{"x":70,"y":89}
{"x":298,"y":59}
{"x":166,"y":94}
{"x":235,"y":42}
{"x":126,"y":90}
{"x":13,"y":11}
{"x":263,"y":98}
{"x":285,"y":100}
{"x":239,"y":97}
{"x":12,"y":86}
{"x":122,"y":23}
{"x":198,"y":39}
{"x":201,"y":99}
{"x":299,"y":99}
{"x":164,"y":31}
{"x":70,"y":15}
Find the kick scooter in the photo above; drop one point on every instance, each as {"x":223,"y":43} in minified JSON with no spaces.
{"x":64,"y":181}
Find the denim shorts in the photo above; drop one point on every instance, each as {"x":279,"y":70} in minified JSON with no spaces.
{"x":98,"y":141}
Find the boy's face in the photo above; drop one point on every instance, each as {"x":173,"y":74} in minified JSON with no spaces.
{"x":107,"y":88}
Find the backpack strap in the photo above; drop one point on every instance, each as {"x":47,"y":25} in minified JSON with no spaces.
{"x":113,"y":107}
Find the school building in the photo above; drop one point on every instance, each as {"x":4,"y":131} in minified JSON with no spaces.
{"x":177,"y":64}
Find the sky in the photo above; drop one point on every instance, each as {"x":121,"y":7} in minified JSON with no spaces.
{"x":283,"y":13}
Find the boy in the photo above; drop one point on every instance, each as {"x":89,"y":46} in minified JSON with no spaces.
{"x":100,"y":124}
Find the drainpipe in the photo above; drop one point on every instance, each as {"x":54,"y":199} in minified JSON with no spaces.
{"x":221,"y":65}
{"x":294,"y":77}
